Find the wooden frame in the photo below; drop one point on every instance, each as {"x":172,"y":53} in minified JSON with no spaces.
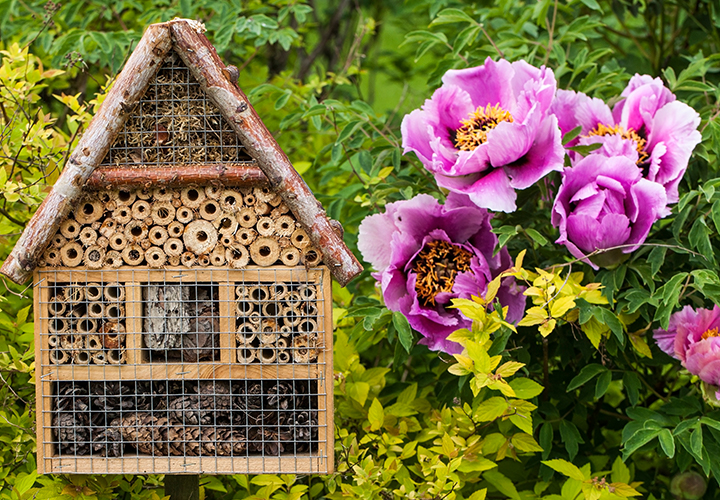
{"x":227,"y":368}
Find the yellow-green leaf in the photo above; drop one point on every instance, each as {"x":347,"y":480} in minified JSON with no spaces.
{"x":566,"y":468}
{"x":525,"y":443}
{"x":562,"y":305}
{"x":509,"y":368}
{"x":547,"y":328}
{"x":376,"y":415}
{"x":491,"y":409}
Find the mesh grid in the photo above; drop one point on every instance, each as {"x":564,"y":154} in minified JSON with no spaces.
{"x":160,"y":384}
{"x":174,"y":123}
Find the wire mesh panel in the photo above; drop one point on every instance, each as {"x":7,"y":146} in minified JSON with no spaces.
{"x":174,"y":123}
{"x":179,"y":396}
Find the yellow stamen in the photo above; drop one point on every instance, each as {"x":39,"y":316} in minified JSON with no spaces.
{"x":602,"y":130}
{"x":436,"y":267}
{"x":713,"y":332}
{"x":474,"y":129}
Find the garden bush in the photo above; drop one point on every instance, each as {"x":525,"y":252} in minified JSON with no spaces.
{"x":533,"y":186}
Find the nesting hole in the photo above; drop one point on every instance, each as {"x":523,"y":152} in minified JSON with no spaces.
{"x":202,"y":236}
{"x":136,"y":231}
{"x":193,"y":195}
{"x":124,"y":195}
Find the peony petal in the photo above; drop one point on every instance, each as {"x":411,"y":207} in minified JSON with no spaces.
{"x":614,"y":231}
{"x":486,"y":84}
{"x":563,"y":107}
{"x":510,"y":141}
{"x":643,"y":98}
{"x":584,"y":231}
{"x":373,"y":241}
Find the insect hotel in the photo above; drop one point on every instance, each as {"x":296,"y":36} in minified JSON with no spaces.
{"x":182,"y":272}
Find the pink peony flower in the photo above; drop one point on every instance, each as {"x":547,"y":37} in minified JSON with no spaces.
{"x":648,"y":125}
{"x":427,"y":254}
{"x":605,"y":202}
{"x":488,"y":131}
{"x":693,"y":337}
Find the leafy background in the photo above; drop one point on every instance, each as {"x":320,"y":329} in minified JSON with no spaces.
{"x":593,"y":402}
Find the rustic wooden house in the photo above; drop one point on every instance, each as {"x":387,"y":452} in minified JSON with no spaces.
{"x":182,"y":273}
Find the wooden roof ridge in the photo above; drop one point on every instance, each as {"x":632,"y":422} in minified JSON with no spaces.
{"x":218,"y":82}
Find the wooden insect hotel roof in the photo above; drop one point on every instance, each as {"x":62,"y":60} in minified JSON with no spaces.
{"x":242,"y":151}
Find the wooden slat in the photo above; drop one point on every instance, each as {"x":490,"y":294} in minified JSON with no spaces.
{"x":245,"y":174}
{"x":133,"y":322}
{"x":328,"y":382}
{"x":39,"y":296}
{"x":226,"y":310}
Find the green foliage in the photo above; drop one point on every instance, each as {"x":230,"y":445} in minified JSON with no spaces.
{"x":575,"y":402}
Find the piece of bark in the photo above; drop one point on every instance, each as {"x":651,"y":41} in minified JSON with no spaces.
{"x":243,"y":174}
{"x":122,"y":98}
{"x":166,"y":316}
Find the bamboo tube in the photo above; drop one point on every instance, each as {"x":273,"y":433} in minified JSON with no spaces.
{"x":99,"y":358}
{"x":293,"y":298}
{"x":135,"y":231}
{"x":53,"y":341}
{"x":87,"y":325}
{"x":113,"y":259}
{"x":307,"y":325}
{"x":284,"y":225}
{"x":275,"y":200}
{"x":265,"y":226}
{"x":94,"y":257}
{"x":253,"y":318}
{"x":237,"y":256}
{"x":140,"y":210}
{"x":71,"y":254}
{"x":245,"y":236}
{"x":246,"y":333}
{"x":103,"y":242}
{"x":155,"y":257}
{"x":93,"y":291}
{"x":56,"y":306}
{"x":174,"y":260}
{"x":176,"y":201}
{"x":200,"y":237}
{"x":283,"y":356}
{"x":192,"y":197}
{"x":217,"y":256}
{"x":311,"y":256}
{"x":108,"y":228}
{"x":58,"y":325}
{"x":241,"y":291}
{"x":278,"y":291}
{"x":263,"y":193}
{"x":187,"y":259}
{"x":71,"y":342}
{"x":95,"y":225}
{"x":162,"y":193}
{"x":270,"y":309}
{"x":59,"y":357}
{"x":118,"y":242}
{"x":115,"y":311}
{"x":144,"y":193}
{"x":88,"y":236}
{"x":52,"y":257}
{"x":268,"y":338}
{"x":279,"y":211}
{"x":290,"y":256}
{"x":74,"y":293}
{"x":291,"y":315}
{"x":258,"y":293}
{"x":262,"y":208}
{"x":173,"y":247}
{"x":96,"y":309}
{"x":307,"y":292}
{"x":81,"y":357}
{"x":133,"y":255}
{"x":281,"y":343}
{"x":231,"y":201}
{"x":286,"y":330}
{"x":58,"y":241}
{"x":184,"y":215}
{"x":157,"y":235}
{"x":114,"y":292}
{"x":245,"y":355}
{"x":304,"y":348}
{"x":226,"y":224}
{"x":300,"y":238}
{"x":227,"y":241}
{"x":123,"y":197}
{"x":112,"y":334}
{"x":244,"y":307}
{"x":203,"y":260}
{"x":209,"y":209}
{"x":264,"y":251}
{"x":70,"y":229}
{"x":267,"y":355}
{"x":213,"y":192}
{"x":309,"y":309}
{"x":248,"y":197}
{"x":122,"y":214}
{"x":163,"y":212}
{"x":116,"y":356}
{"x":93,"y":342}
{"x":176,"y":229}
{"x":88,"y":211}
{"x":77,"y":311}
{"x":246,"y":217}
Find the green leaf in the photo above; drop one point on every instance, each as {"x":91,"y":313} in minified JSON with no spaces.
{"x":283,"y":99}
{"x":525,"y":388}
{"x":696,"y":441}
{"x":358,"y":391}
{"x":502,"y":483}
{"x":667,"y":442}
{"x":587,"y":373}
{"x":546,"y":439}
{"x":603,"y":384}
{"x":452,"y":16}
{"x":592,"y":4}
{"x":585,"y":150}
{"x":525,"y":443}
{"x":620,"y":472}
{"x":639,"y":439}
{"x":572,"y":134}
{"x":537,"y":237}
{"x":656,"y":258}
{"x":348,"y":130}
{"x":699,"y":238}
{"x":376,"y":415}
{"x":571,"y":438}
{"x":566,"y":468}
{"x":405,"y":334}
{"x":491,"y":409}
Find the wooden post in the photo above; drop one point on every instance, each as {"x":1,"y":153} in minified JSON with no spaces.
{"x":185,"y":487}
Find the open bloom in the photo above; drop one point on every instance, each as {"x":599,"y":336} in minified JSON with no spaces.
{"x":605,"y":202}
{"x":488,"y":131}
{"x":427,"y":254}
{"x":693,"y":337}
{"x":648,"y":125}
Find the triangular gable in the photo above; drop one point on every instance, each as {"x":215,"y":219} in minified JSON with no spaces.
{"x":199,"y":56}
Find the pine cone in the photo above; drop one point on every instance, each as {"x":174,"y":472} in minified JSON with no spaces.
{"x":269,"y":440}
{"x":147,"y":433}
{"x":184,"y":441}
{"x":186,"y":410}
{"x":108,"y":441}
{"x":72,"y":397}
{"x":280,"y":396}
{"x":73,"y":433}
{"x":223,"y":442}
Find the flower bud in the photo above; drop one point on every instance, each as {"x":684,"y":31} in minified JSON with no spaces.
{"x":688,"y":486}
